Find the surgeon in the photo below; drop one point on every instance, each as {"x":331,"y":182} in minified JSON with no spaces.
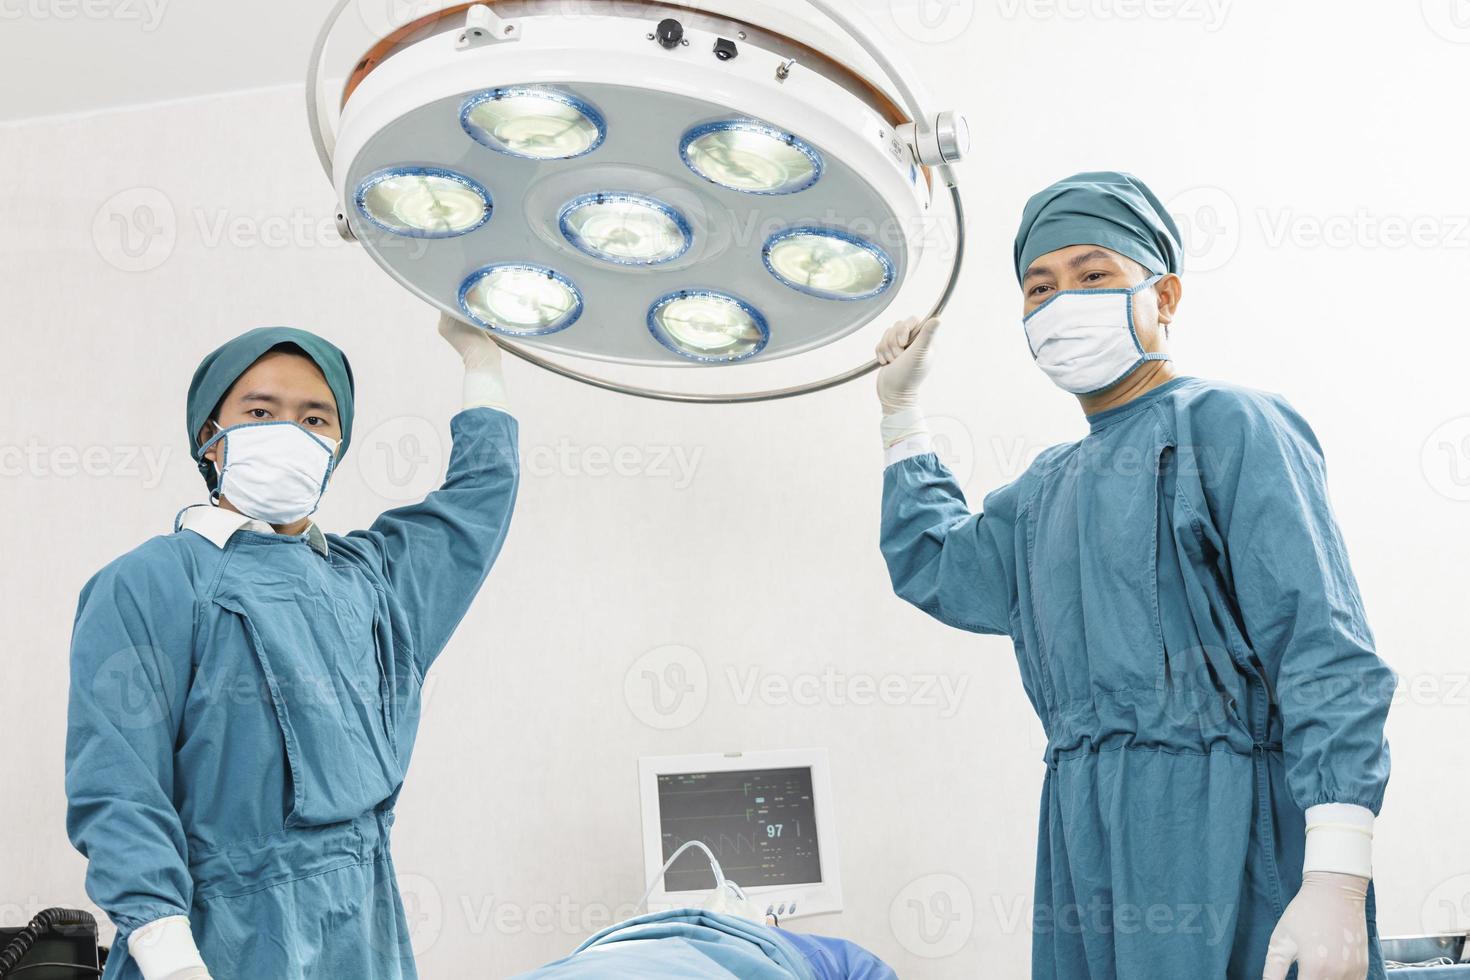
{"x":245,"y":691}
{"x":1185,"y":621}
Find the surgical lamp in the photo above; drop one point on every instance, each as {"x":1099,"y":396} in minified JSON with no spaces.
{"x":645,"y":184}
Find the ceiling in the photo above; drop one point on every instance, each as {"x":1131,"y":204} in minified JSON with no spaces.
{"x":69,"y":56}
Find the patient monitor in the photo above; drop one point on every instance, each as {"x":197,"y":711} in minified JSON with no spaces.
{"x":767,"y":816}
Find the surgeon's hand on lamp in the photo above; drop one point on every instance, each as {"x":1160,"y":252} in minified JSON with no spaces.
{"x":484,"y":382}
{"x":905,"y":353}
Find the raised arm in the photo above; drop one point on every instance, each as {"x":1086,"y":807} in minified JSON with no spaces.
{"x":956,"y":566}
{"x":437,"y":553}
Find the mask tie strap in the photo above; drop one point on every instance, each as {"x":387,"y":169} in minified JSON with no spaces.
{"x":1133,"y":328}
{"x":204,"y":464}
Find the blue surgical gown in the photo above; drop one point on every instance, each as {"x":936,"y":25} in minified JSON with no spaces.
{"x":1191,"y":635}
{"x":241,"y":719}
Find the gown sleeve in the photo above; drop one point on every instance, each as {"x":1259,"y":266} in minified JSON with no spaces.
{"x":1298,"y":601}
{"x":436,"y":554}
{"x":954,"y":565}
{"x":130,"y":666}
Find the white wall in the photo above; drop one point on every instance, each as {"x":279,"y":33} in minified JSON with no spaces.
{"x":519,"y":824}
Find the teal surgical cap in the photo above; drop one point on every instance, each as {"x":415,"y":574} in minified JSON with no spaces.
{"x":1114,"y":210}
{"x":221,"y":369}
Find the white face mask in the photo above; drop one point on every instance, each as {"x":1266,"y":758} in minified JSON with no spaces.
{"x":1085,"y":339}
{"x":273,"y":471}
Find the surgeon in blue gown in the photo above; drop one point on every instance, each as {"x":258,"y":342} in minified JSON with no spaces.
{"x":245,"y":691}
{"x":1185,"y":620}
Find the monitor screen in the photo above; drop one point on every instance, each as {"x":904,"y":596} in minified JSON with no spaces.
{"x":761,"y":824}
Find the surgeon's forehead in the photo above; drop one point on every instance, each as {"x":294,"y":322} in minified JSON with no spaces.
{"x":261,"y":381}
{"x":1074,"y":257}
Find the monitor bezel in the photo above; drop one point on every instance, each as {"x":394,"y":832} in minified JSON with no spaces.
{"x":814,"y":898}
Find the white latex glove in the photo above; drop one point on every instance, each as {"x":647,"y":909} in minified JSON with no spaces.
{"x":904,"y":353}
{"x":164,"y":950}
{"x":1324,"y":930}
{"x":484,"y":383}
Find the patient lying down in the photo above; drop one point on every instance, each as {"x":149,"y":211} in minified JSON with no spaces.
{"x":685,"y":943}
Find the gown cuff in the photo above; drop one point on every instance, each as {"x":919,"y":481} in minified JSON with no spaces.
{"x":905,"y":424}
{"x":908,"y":448}
{"x":1340,"y":839}
{"x":484,"y":387}
{"x":164,"y":947}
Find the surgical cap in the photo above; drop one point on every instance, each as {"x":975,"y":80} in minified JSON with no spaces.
{"x":221,"y":369}
{"x":1114,"y":210}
